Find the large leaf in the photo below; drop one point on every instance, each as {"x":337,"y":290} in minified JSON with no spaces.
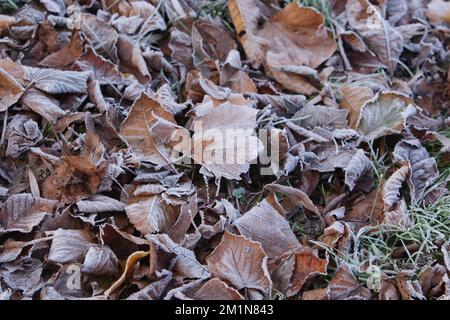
{"x":43,"y":104}
{"x":21,"y":212}
{"x":151,"y":215}
{"x":241,"y":262}
{"x":266,"y":225}
{"x":291,"y":43}
{"x":56,"y":81}
{"x":225,"y":140}
{"x":385,"y":114}
{"x":138,"y":131}
{"x":69,"y":246}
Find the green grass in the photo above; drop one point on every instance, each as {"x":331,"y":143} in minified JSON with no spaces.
{"x":375,"y":245}
{"x":216,"y":8}
{"x":435,"y":147}
{"x":9,"y":6}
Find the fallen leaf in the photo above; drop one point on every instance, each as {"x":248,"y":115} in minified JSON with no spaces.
{"x":265,"y":225}
{"x":241,"y":262}
{"x":385,"y":114}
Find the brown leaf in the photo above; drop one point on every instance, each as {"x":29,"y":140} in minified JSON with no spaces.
{"x":353,"y":98}
{"x":136,"y":130}
{"x":296,"y":196}
{"x":69,"y":246}
{"x":100,"y":203}
{"x":56,"y":81}
{"x":391,"y":190}
{"x":385,"y":114}
{"x":307,"y":266}
{"x":265,"y":225}
{"x":154,"y":290}
{"x":102,"y":70}
{"x":285,"y":42}
{"x":384,"y":40}
{"x":345,"y":286}
{"x":438,"y":11}
{"x":21,"y":133}
{"x":100,"y":260}
{"x":216,"y":289}
{"x":185,"y":264}
{"x":217,"y":127}
{"x":43,"y":104}
{"x":100,"y":35}
{"x":359,"y":172}
{"x":423,"y":168}
{"x":130,"y":264}
{"x":152,"y":215}
{"x":21,"y":212}
{"x":241,"y":262}
{"x":10,"y":90}
{"x":66,"y":55}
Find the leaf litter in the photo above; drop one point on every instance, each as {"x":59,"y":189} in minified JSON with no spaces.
{"x":115,"y":183}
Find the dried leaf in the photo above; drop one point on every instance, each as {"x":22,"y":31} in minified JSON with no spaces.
{"x":359,"y":172}
{"x":100,"y":203}
{"x":265,"y":225}
{"x":56,"y":81}
{"x":137,"y":129}
{"x":152,"y":215}
{"x":21,"y":212}
{"x":240,"y":261}
{"x":10,"y":90}
{"x":391,"y":191}
{"x":385,"y":114}
{"x":69,"y":246}
{"x":100,"y":260}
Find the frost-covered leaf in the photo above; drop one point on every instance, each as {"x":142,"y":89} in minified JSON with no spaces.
{"x":359,"y":172}
{"x":24,"y":275}
{"x":43,"y":104}
{"x":391,"y":190}
{"x":320,"y":116}
{"x":296,"y":196}
{"x":240,"y":261}
{"x":21,"y":212}
{"x":345,"y":286}
{"x":100,"y":35}
{"x":185,"y":264}
{"x":154,"y":290}
{"x":69,"y":246}
{"x":102,"y":70}
{"x":10,"y":90}
{"x":216,"y":289}
{"x":383,"y":39}
{"x":227,"y":136}
{"x":152,"y":215}
{"x":21,"y":133}
{"x":55,"y":81}
{"x":423,"y":168}
{"x":138,"y":130}
{"x":100,"y":260}
{"x":100,"y":203}
{"x":266,"y":225}
{"x":385,"y":114}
